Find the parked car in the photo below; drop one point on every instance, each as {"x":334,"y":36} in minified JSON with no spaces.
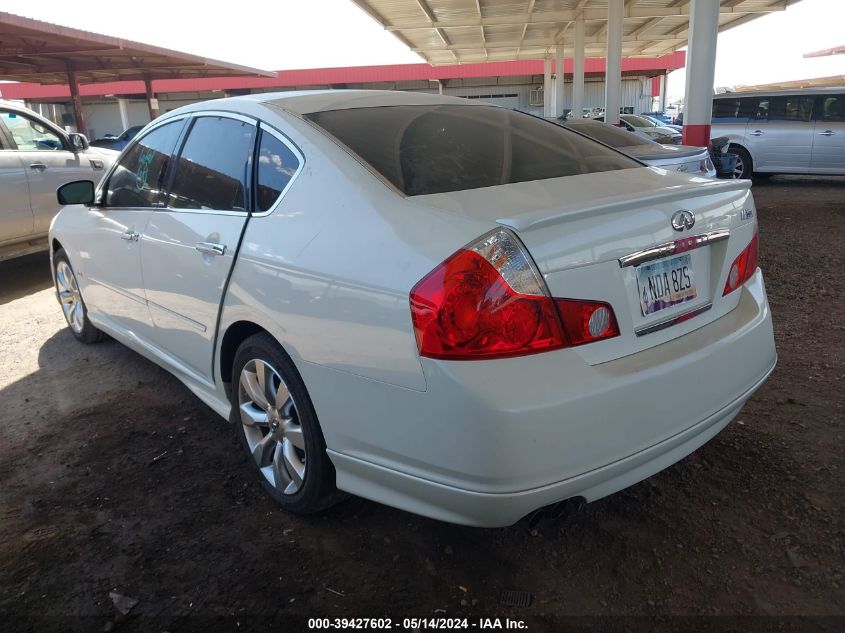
{"x":645,"y":129}
{"x":783,"y":132}
{"x":36,"y":157}
{"x":678,"y":128}
{"x":120,"y":141}
{"x":445,"y":306}
{"x":682,"y":158}
{"x":662,"y":117}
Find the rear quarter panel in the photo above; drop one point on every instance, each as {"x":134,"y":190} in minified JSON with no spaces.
{"x":328,"y":272}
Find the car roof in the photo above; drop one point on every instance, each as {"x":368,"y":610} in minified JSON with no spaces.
{"x":308,"y":101}
{"x":781,"y":91}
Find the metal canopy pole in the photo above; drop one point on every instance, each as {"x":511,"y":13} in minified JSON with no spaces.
{"x":578,"y":70}
{"x":613,"y":62}
{"x":701,"y":68}
{"x":547,"y":87}
{"x":559,"y":77}
{"x":152,"y":102}
{"x":76,"y":100}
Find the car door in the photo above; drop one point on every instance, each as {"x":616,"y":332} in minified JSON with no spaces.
{"x":111,"y":257}
{"x":15,"y":213}
{"x":828,"y":155}
{"x":782,"y":134}
{"x":189,"y":245}
{"x":48,"y":164}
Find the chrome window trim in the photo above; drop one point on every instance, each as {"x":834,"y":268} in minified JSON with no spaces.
{"x":670,"y":248}
{"x":152,"y":125}
{"x":181,"y":145}
{"x":662,"y":325}
{"x":279,"y":136}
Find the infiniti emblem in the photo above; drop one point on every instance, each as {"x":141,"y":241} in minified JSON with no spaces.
{"x":682,"y":220}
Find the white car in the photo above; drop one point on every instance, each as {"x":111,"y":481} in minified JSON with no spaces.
{"x":448,"y":307}
{"x":36,"y":157}
{"x":684,"y":158}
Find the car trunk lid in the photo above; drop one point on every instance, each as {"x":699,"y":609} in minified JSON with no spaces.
{"x":609,"y":237}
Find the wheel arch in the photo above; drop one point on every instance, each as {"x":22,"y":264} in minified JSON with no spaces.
{"x":235,"y":334}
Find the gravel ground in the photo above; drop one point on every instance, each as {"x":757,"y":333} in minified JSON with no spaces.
{"x":114,"y":478}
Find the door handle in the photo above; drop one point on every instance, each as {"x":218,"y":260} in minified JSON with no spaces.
{"x":755,"y":133}
{"x":210,"y":248}
{"x":38,"y":166}
{"x":826,"y":133}
{"x":130,"y":236}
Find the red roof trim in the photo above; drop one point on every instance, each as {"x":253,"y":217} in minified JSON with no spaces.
{"x":334,"y":76}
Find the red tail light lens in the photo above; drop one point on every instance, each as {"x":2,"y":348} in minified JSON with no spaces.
{"x":587,"y":321}
{"x":743,"y":266}
{"x":489,"y":301}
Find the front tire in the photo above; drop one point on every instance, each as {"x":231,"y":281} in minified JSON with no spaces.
{"x":277,"y":426}
{"x":70,"y":298}
{"x":744,"y":165}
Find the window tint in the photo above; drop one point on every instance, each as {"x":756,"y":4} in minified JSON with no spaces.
{"x":29,"y":134}
{"x":727,"y":109}
{"x":638,"y":121}
{"x":438,"y":148}
{"x":790,"y":108}
{"x":212,"y":169}
{"x":138,"y":178}
{"x":276,"y":166}
{"x":832,"y":108}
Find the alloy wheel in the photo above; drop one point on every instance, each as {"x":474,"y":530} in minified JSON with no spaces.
{"x":70,"y":297}
{"x":739,"y":168}
{"x":271,"y":426}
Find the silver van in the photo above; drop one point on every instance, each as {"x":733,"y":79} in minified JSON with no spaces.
{"x":36,"y":158}
{"x":783,"y":132}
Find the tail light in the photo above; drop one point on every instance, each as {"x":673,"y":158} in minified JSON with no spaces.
{"x":488,"y":300}
{"x":743,"y":266}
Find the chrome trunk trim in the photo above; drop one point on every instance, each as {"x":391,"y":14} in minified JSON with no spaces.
{"x":670,"y":248}
{"x":662,"y":325}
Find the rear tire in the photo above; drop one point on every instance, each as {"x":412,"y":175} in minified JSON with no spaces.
{"x":277,"y":426}
{"x":70,"y":299}
{"x":744,"y":165}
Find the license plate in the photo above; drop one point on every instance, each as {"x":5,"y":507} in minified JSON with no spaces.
{"x":665,"y":283}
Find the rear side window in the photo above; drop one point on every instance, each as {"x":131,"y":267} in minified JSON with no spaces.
{"x":212,"y":170}
{"x":138,"y":178}
{"x":276,"y":166}
{"x":832,"y":108}
{"x":430,"y":149}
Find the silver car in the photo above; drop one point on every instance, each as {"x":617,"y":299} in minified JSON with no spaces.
{"x":36,"y":158}
{"x":783,"y":132}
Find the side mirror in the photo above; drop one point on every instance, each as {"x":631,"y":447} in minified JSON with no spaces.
{"x":79,"y":142}
{"x":76,"y":192}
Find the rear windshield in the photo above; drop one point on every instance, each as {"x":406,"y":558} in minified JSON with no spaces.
{"x":425,"y":149}
{"x":609,"y":134}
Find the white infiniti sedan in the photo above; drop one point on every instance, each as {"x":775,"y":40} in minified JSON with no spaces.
{"x":451,"y":308}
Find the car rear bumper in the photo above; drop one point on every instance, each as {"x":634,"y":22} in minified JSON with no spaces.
{"x":487,"y":444}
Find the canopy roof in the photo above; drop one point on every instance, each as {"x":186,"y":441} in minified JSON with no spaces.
{"x":40,"y":52}
{"x":457,"y":31}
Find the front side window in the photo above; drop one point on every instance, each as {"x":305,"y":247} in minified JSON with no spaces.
{"x":790,"y":108}
{"x":276,"y":166}
{"x":832,"y":108}
{"x":139,"y":176}
{"x":426,"y":149}
{"x":29,"y":134}
{"x":212,"y":170}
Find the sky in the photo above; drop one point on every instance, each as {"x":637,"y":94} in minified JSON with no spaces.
{"x":288,"y":34}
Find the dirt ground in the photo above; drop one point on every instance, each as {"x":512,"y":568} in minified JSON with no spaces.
{"x":114,"y":478}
